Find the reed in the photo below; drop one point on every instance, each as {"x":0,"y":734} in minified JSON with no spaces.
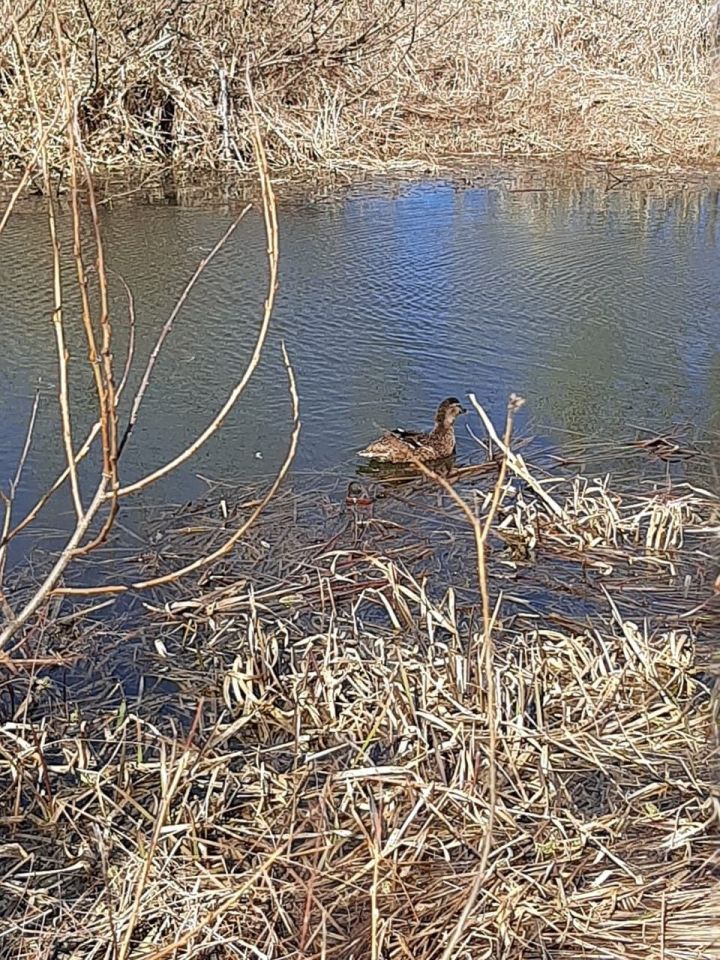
{"x":317,"y":775}
{"x":359,"y":83}
{"x":96,"y":514}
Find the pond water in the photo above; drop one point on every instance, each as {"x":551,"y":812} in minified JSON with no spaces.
{"x":598,"y":302}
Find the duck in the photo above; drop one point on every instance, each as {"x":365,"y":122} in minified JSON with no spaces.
{"x":358,"y":495}
{"x":404,"y":446}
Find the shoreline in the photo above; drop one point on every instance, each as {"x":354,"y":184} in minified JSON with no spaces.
{"x":162,"y":186}
{"x":343,"y":88}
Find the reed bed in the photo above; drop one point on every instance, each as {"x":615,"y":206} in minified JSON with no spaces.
{"x":357,"y":84}
{"x":292,"y":755}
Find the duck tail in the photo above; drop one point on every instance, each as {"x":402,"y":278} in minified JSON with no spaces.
{"x":377,"y":450}
{"x":367,"y":452}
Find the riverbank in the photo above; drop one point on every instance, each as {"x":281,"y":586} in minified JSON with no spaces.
{"x":360,"y":87}
{"x":318,"y":750}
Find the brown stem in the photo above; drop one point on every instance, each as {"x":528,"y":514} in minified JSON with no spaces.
{"x":271,"y":230}
{"x":10,"y":500}
{"x":481,"y":532}
{"x":168,"y":325}
{"x":68,"y":554}
{"x":228,"y":545}
{"x":57,"y":315}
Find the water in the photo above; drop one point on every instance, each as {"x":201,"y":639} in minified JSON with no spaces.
{"x":601,"y":307}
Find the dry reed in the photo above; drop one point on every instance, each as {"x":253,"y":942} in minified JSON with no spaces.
{"x":311,"y":777}
{"x":330,"y":743}
{"x":360,"y":83}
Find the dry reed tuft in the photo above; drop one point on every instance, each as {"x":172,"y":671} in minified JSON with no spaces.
{"x":312,"y":776}
{"x":360,"y":83}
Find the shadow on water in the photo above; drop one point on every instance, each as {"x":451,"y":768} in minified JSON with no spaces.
{"x":402,"y":472}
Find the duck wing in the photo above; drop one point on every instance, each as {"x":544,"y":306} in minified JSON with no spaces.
{"x":417,"y":442}
{"x":412,"y":438}
{"x":395,"y":445}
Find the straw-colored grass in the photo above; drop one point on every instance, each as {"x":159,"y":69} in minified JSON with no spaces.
{"x":344,"y":84}
{"x":314,"y":782}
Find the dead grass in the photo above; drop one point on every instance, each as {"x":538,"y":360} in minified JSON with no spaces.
{"x":313,"y":779}
{"x":363,"y":84}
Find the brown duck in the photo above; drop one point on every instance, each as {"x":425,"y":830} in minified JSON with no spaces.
{"x":404,"y":446}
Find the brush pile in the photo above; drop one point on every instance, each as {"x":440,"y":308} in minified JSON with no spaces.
{"x":291,"y":757}
{"x":348,"y":84}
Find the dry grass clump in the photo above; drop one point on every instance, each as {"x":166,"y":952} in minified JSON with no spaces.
{"x":360,"y":83}
{"x":305,"y":768}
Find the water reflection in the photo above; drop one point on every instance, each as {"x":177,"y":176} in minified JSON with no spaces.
{"x":597,"y":301}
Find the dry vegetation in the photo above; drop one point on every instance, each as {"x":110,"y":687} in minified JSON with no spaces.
{"x":344,"y":84}
{"x":342,"y":740}
{"x":315,"y":779}
{"x":468,"y":715}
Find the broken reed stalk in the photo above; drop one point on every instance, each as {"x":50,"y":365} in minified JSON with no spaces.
{"x":167,"y":798}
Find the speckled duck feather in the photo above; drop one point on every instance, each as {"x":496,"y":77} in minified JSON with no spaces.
{"x":404,"y":446}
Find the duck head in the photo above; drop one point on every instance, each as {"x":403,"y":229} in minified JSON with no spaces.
{"x":448,"y":412}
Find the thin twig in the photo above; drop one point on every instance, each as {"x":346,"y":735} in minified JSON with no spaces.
{"x":57,"y":314}
{"x":169,"y":323}
{"x":271,"y":230}
{"x":481,"y":531}
{"x":10,"y":500}
{"x":229,"y":544}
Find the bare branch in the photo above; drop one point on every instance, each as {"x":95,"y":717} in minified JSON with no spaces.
{"x":67,"y":554}
{"x":226,"y":547}
{"x":168,"y":325}
{"x":27,"y":171}
{"x":481,"y":531}
{"x":57,"y":315}
{"x":132,"y":322}
{"x":242,"y":530}
{"x":271,"y":230}
{"x":10,"y":500}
